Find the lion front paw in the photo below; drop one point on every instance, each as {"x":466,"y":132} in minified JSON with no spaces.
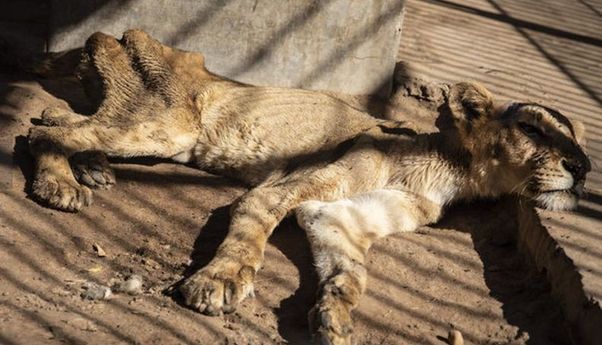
{"x":93,"y":170}
{"x":213,"y":291}
{"x":330,"y":322}
{"x":61,"y":193}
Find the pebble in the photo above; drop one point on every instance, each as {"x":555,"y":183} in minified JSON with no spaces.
{"x":132,"y":285}
{"x":96,"y":292}
{"x":99,"y":251}
{"x":94,"y":269}
{"x":454,"y":337}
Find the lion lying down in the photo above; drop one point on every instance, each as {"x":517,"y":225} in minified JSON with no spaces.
{"x":350,"y":177}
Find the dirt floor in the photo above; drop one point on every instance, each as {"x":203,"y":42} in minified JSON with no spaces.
{"x":163,"y":220}
{"x":464,"y":273}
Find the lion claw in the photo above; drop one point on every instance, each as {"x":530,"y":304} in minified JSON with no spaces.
{"x":93,"y":170}
{"x":330,"y":322}
{"x":214,"y":292}
{"x":61,"y":193}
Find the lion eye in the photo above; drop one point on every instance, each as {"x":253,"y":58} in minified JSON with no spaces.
{"x":530,"y":130}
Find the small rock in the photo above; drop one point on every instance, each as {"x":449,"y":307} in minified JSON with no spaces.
{"x":454,"y":337}
{"x":96,"y":292}
{"x":132,"y":285}
{"x":99,"y":251}
{"x":95,"y":269}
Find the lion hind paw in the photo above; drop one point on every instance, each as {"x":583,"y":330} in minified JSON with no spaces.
{"x":61,"y":193}
{"x":93,"y":170}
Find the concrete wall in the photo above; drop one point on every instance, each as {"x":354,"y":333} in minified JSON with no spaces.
{"x":23,"y":24}
{"x":339,"y":45}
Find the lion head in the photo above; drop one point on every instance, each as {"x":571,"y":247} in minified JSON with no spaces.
{"x":533,"y":150}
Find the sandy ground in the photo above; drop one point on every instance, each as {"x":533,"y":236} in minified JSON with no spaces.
{"x":162,"y":220}
{"x":549,"y":51}
{"x":463,"y":273}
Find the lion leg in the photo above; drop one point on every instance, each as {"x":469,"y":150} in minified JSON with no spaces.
{"x":340,"y":234}
{"x":54,"y":180}
{"x":228,"y":278}
{"x":59,"y":116}
{"x":134,"y":119}
{"x":107,"y":74}
{"x":109,"y":77}
{"x":89,"y":168}
{"x":148,"y":56}
{"x":92,"y":169}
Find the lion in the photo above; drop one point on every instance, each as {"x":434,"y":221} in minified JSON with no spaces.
{"x":349,"y":177}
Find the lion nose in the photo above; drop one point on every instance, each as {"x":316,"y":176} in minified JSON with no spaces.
{"x":577,"y":168}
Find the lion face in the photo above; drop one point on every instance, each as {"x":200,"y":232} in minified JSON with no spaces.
{"x":547,"y":142}
{"x":536,"y":149}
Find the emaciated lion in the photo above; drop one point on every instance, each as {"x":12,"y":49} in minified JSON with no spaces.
{"x":351,"y":177}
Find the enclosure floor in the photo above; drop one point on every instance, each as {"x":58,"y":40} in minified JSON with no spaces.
{"x":463,"y":273}
{"x":547,"y":51}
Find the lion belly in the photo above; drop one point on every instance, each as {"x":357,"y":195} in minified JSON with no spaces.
{"x":249,"y":138}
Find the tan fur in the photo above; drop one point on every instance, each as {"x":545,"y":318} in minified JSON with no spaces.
{"x":486,"y":156}
{"x":293,"y":146}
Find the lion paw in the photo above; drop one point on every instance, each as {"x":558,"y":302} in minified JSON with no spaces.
{"x":57,"y":116}
{"x":212,"y":291}
{"x":330,"y":322}
{"x":93,"y":170}
{"x":61,"y":193}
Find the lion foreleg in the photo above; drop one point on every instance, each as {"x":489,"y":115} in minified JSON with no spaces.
{"x":228,"y":278}
{"x":340,"y":234}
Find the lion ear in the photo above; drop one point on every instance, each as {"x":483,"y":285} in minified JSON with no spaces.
{"x":579,"y":130}
{"x":469,"y":101}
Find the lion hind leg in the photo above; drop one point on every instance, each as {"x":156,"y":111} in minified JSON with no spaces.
{"x":106,"y":60}
{"x":148,"y":57}
{"x":92,"y":168}
{"x":55,"y":182}
{"x":133,"y":75}
{"x":59,"y":116}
